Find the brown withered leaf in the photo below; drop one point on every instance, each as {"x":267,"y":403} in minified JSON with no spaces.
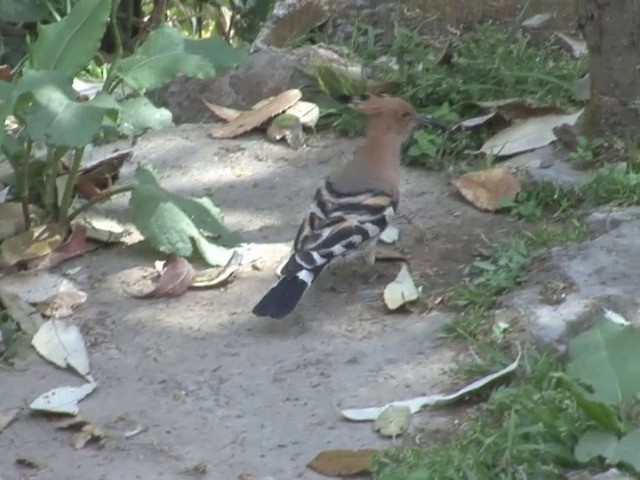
{"x":485,"y":189}
{"x":74,"y":246}
{"x":386,"y":254}
{"x":94,"y":180}
{"x":5,"y":73}
{"x":34,"y":243}
{"x":225,"y":113}
{"x":175,"y":279}
{"x":215,"y":277}
{"x":251,"y":119}
{"x":86,"y":431}
{"x":343,"y":463}
{"x":61,"y":304}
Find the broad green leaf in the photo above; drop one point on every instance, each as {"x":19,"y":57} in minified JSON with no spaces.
{"x":16,"y":97}
{"x":218,"y":52}
{"x":139,"y":115}
{"x":68,"y":45}
{"x":628,"y":450}
{"x":171,"y":223}
{"x":599,"y":412}
{"x":56,"y":119}
{"x":607,"y":358}
{"x":595,"y":443}
{"x":167,"y":53}
{"x":17,"y":11}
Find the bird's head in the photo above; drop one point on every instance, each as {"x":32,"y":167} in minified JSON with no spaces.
{"x":390,"y":116}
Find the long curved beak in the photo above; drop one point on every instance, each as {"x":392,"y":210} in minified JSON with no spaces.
{"x":425,"y":119}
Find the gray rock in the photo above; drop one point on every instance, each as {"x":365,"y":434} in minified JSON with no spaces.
{"x":599,"y":274}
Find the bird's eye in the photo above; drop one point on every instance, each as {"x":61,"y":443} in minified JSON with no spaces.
{"x":406,"y":114}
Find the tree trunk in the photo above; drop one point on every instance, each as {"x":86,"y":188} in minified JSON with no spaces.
{"x":611,"y":29}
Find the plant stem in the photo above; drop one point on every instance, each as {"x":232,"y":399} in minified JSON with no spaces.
{"x":117,"y":40}
{"x":104,"y":197}
{"x":24,"y":185}
{"x":71,"y":183}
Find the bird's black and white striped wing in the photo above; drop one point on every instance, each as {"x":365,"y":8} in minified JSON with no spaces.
{"x":339,"y":225}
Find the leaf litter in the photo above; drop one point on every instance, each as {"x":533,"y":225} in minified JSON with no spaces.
{"x":343,"y":463}
{"x":63,"y":345}
{"x":418,"y":403}
{"x":529,"y":134}
{"x":74,"y":246}
{"x":486,"y":189}
{"x":34,"y":243}
{"x":401,"y":291}
{"x":86,"y":431}
{"x":175,"y":278}
{"x":62,"y":400}
{"x":248,"y":120}
{"x":23,"y":313}
{"x":394,"y":420}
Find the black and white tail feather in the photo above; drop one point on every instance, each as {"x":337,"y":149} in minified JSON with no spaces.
{"x":339,"y":226}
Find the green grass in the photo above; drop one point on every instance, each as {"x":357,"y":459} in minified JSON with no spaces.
{"x":488,"y":63}
{"x":526,"y":430}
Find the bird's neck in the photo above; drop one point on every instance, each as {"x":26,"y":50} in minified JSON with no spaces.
{"x":382,"y":152}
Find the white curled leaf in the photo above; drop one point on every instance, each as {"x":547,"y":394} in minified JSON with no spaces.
{"x":62,"y":399}
{"x":417,"y":404}
{"x":62,"y":344}
{"x":390,"y":235}
{"x":615,"y":317}
{"x":402,"y":290}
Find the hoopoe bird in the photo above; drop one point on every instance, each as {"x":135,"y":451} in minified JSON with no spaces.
{"x":352,"y":207}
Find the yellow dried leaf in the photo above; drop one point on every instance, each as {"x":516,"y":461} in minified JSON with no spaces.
{"x":485,"y":189}
{"x":342,"y":463}
{"x":34,"y":243}
{"x":251,"y":119}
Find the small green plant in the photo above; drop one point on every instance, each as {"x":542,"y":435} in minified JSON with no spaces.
{"x":48,"y":113}
{"x":551,"y":418}
{"x":587,"y":152}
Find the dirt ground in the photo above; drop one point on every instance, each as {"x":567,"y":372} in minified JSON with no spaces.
{"x":211,"y":383}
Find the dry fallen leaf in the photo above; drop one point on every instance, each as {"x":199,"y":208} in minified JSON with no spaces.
{"x":74,"y":246}
{"x":215,"y":277}
{"x":94,"y":180}
{"x":62,"y":304}
{"x":175,"y":279}
{"x":386,"y":254}
{"x":62,"y":344}
{"x":23,"y":313}
{"x":485,"y":189}
{"x":527,"y":134}
{"x":5,"y":73}
{"x":86,"y":431}
{"x":34,"y":243}
{"x":62,"y":399}
{"x":390,"y":235}
{"x":251,"y":119}
{"x":393,"y":421}
{"x":8,"y":416}
{"x":225,"y":113}
{"x":401,"y":291}
{"x":343,"y":463}
{"x":308,"y":113}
